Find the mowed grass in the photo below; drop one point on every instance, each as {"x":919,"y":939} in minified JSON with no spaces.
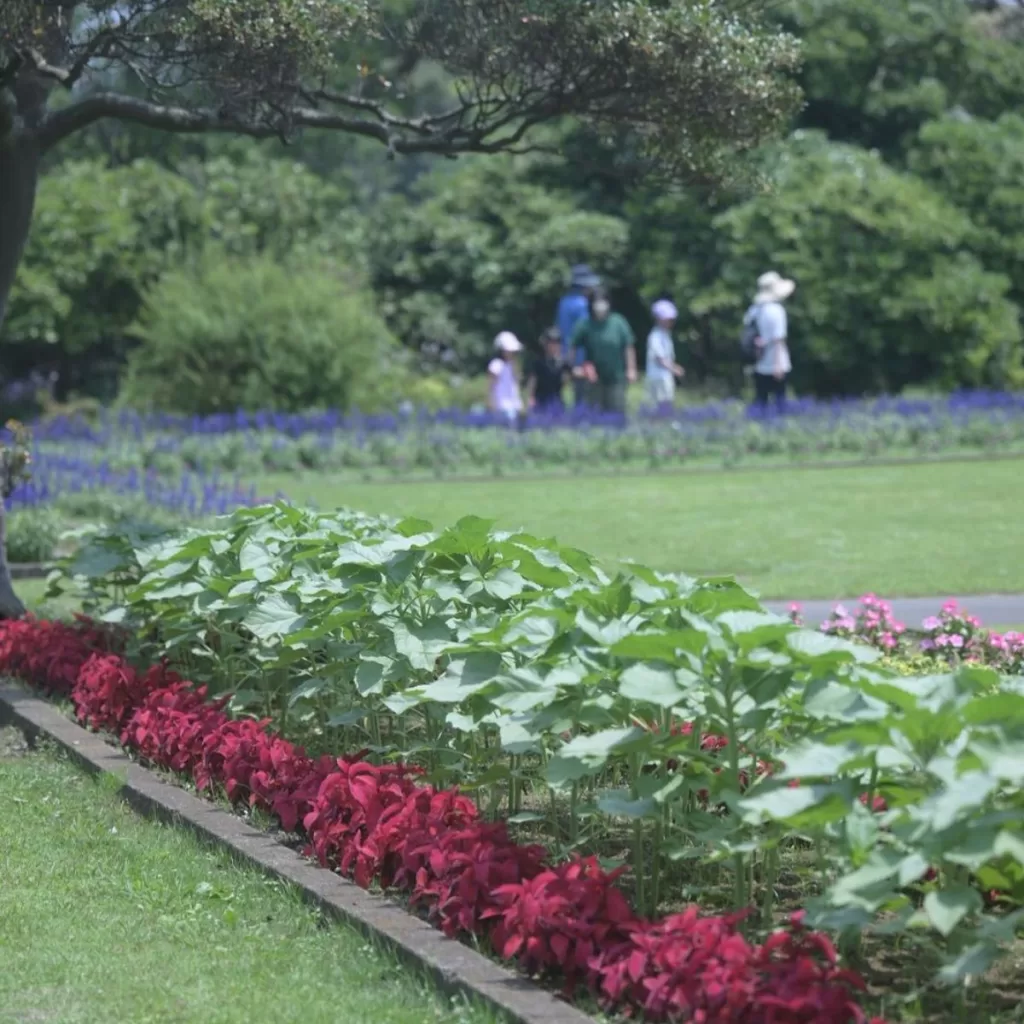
{"x":107,"y":917}
{"x":907,"y":531}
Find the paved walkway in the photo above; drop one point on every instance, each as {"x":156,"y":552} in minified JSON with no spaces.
{"x":992,"y":609}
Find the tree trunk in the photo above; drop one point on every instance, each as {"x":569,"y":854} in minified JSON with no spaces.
{"x":10,"y":604}
{"x":19,"y":173}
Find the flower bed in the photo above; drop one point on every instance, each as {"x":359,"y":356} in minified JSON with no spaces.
{"x":668,"y":725}
{"x":382,"y":824}
{"x":455,"y":442}
{"x":953,"y":637}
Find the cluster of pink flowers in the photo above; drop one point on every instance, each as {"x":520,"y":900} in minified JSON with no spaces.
{"x":954,"y":635}
{"x":381,"y":824}
{"x":872,"y":622}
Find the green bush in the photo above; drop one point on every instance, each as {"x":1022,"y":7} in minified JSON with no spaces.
{"x":888,"y":291}
{"x":32,"y":535}
{"x":223,"y":333}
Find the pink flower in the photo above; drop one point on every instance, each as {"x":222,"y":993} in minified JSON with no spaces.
{"x":931,"y":624}
{"x":956,"y":641}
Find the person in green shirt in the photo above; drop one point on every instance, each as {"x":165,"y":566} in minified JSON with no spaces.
{"x":609,"y":349}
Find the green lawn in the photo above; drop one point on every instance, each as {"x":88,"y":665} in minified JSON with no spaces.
{"x":107,"y":917}
{"x":907,"y":531}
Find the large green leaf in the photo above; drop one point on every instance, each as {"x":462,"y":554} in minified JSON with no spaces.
{"x":274,"y":616}
{"x":464,"y":677}
{"x":653,"y":685}
{"x":422,"y":644}
{"x":946,"y":908}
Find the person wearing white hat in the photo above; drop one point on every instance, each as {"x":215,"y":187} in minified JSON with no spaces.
{"x":768,"y":317}
{"x":505,"y":399}
{"x":662,"y":368}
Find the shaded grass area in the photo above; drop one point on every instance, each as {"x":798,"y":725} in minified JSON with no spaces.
{"x":33,"y":596}
{"x":107,"y":917}
{"x":916,"y":530}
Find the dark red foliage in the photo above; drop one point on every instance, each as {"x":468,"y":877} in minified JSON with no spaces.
{"x":378,"y":823}
{"x":561,"y":919}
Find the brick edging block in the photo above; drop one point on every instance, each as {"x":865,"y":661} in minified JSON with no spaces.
{"x":454,"y":967}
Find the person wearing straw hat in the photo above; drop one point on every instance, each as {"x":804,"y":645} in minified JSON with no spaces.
{"x":768,"y":316}
{"x":505,"y":399}
{"x":662,"y":368}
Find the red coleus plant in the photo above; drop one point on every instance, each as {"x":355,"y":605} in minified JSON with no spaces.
{"x":378,"y":823}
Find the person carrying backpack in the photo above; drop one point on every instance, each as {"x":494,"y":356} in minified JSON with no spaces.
{"x":765,"y":339}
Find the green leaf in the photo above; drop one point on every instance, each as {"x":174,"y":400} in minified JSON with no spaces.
{"x":307,"y":690}
{"x":594,"y":749}
{"x":665,"y":646}
{"x":341,"y":719}
{"x":504,"y":584}
{"x":464,"y":677}
{"x":971,"y":962}
{"x":622,"y":805}
{"x":652,"y":685}
{"x":798,"y":805}
{"x":811,"y":760}
{"x":815,"y":645}
{"x":751,"y":629}
{"x":370,"y":674}
{"x":274,"y":616}
{"x":422,"y":644}
{"x":946,"y":908}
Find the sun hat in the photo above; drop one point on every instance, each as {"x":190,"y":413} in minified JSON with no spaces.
{"x":663,"y":309}
{"x":508,"y":342}
{"x":773,"y":287}
{"x":584,"y":277}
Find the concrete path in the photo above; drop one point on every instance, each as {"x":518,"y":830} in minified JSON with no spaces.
{"x":992,"y":609}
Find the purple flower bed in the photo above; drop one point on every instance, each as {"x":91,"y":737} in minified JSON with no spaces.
{"x":127,"y":424}
{"x":189,"y":494}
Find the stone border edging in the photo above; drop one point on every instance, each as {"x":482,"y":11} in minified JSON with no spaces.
{"x":451,"y":965}
{"x":29,"y":570}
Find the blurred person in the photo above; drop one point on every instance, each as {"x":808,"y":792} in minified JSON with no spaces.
{"x":505,"y":399}
{"x":608,"y":349}
{"x":572,"y":309}
{"x":767,"y":324}
{"x":547,"y":374}
{"x":662,"y":368}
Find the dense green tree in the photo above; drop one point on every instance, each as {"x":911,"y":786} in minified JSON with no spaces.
{"x":979,"y":166}
{"x":888,"y":292}
{"x":481,"y":250}
{"x":103,"y":235}
{"x":874,"y":71}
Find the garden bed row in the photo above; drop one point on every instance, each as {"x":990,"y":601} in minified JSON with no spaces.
{"x":382,"y":825}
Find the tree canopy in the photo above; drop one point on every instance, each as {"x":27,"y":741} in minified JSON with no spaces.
{"x":683,"y":77}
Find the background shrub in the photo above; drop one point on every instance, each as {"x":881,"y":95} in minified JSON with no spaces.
{"x":256,"y":333}
{"x":32,"y":535}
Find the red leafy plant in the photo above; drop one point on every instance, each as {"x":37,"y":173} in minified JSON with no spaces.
{"x":379,"y":824}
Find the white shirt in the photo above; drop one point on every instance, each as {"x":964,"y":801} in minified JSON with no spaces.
{"x":660,"y":346}
{"x":772,"y":328}
{"x":505,"y":397}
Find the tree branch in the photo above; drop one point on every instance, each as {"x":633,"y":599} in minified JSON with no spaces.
{"x":98,"y":106}
{"x":43,"y":67}
{"x":102,"y":105}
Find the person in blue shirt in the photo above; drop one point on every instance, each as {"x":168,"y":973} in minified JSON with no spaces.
{"x":574,"y":307}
